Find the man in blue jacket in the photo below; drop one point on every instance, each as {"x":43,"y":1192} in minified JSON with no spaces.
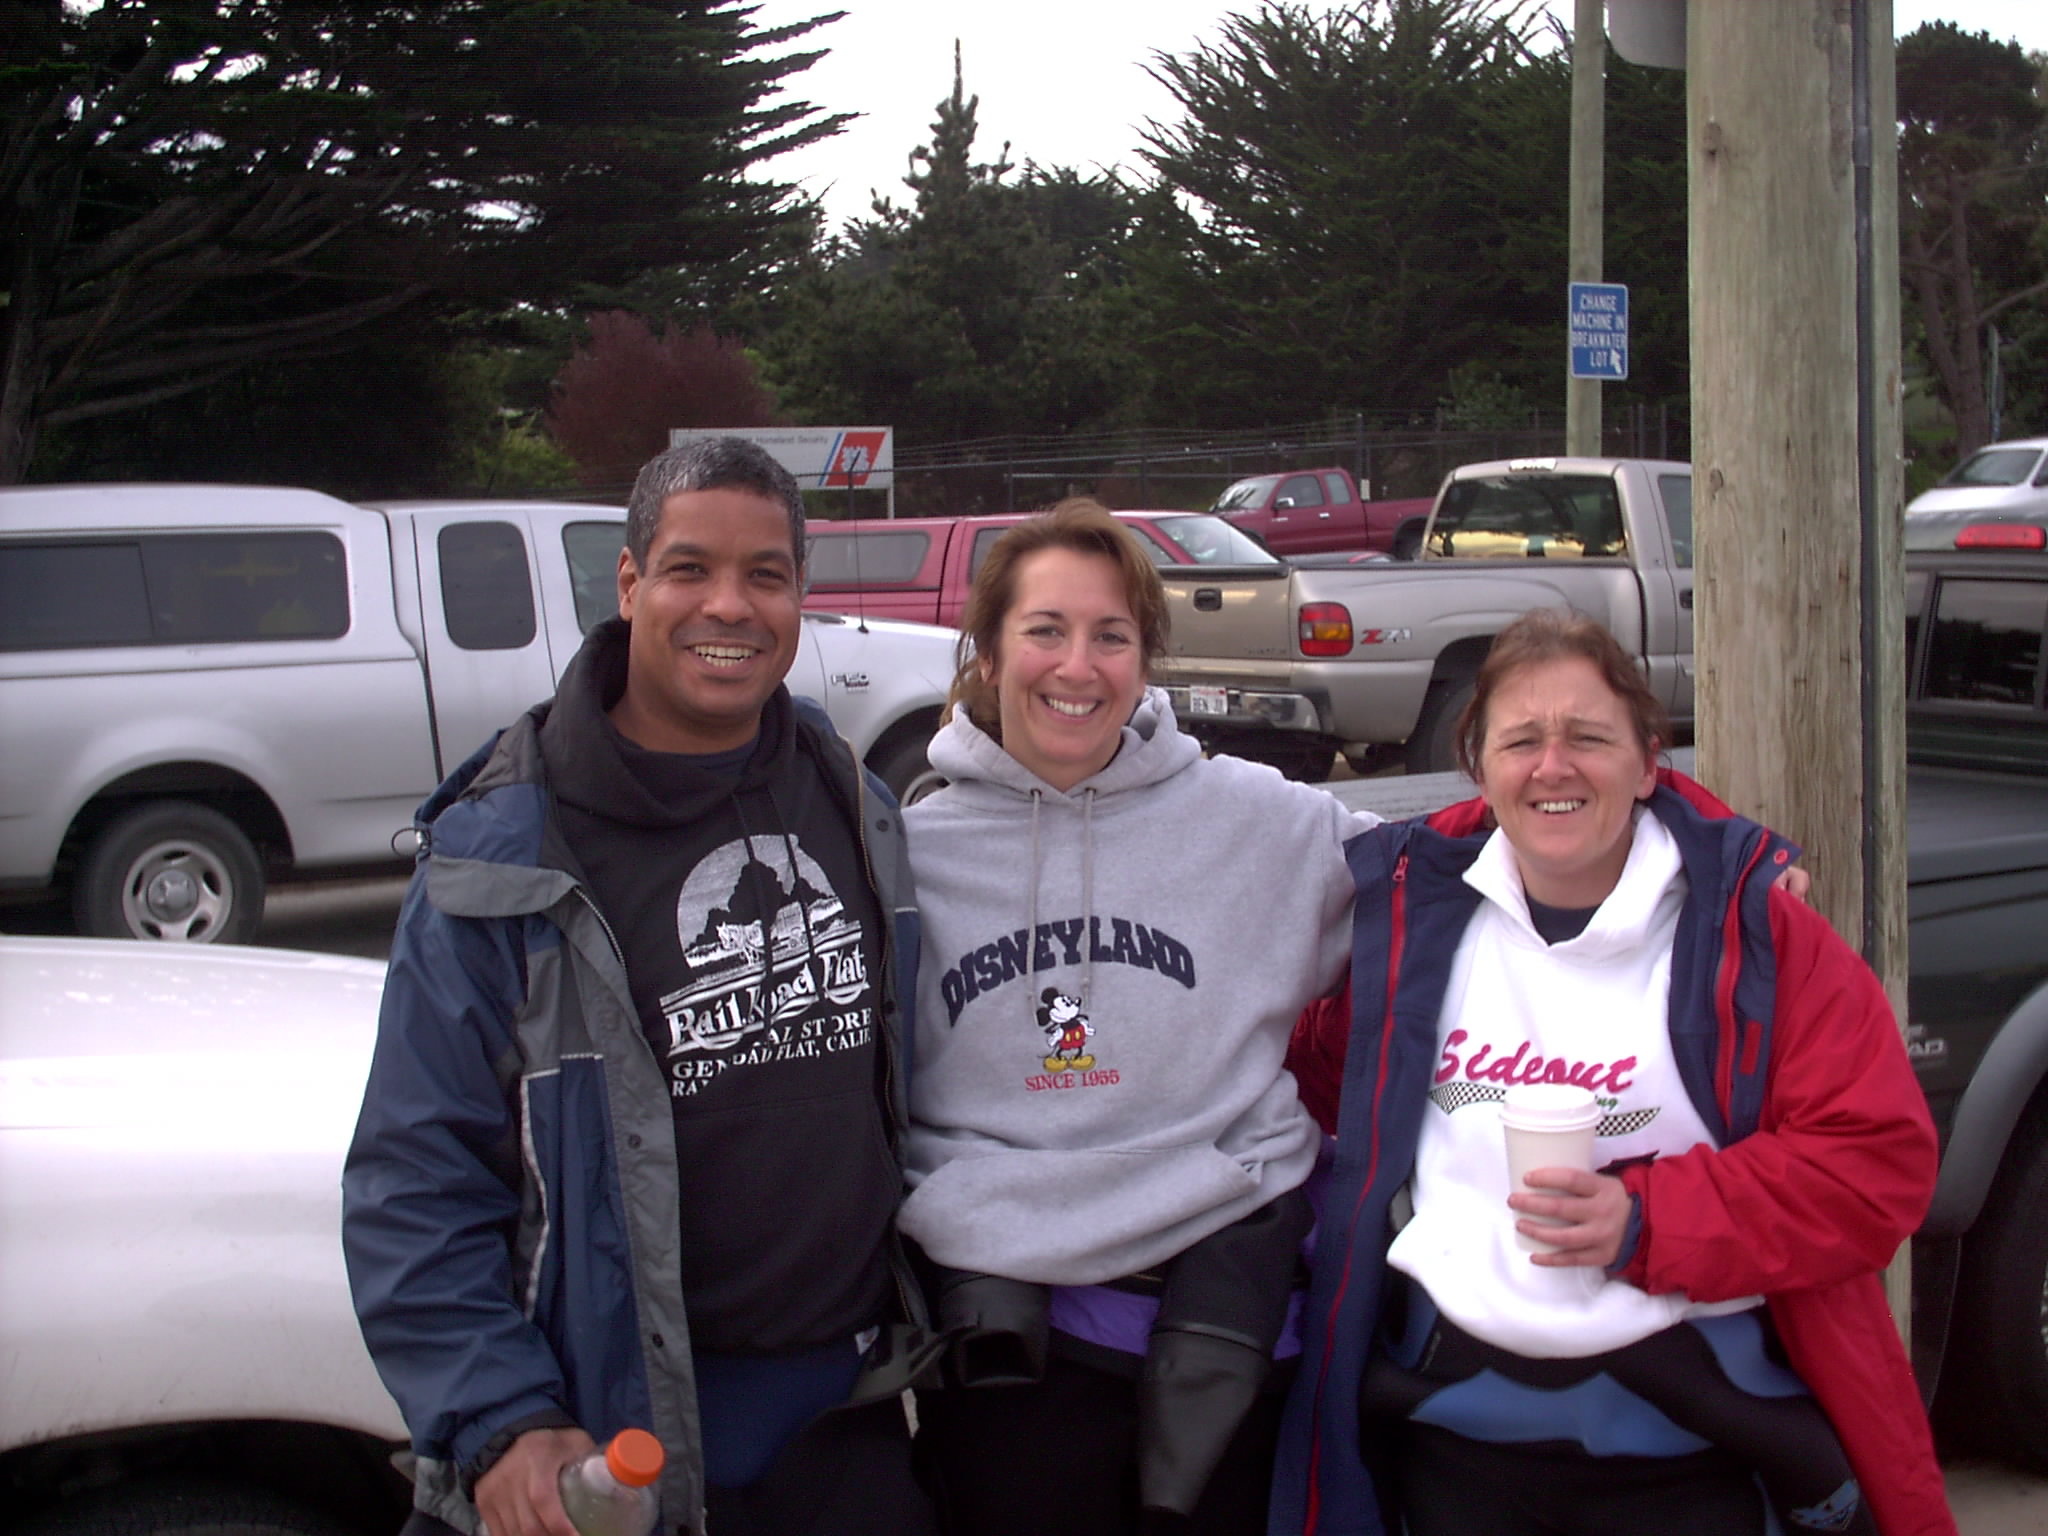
{"x":628,"y":1150}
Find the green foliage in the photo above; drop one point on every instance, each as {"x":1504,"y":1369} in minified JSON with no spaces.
{"x":377,"y":422}
{"x":1973,"y":216}
{"x":188,"y":189}
{"x":1480,"y":401}
{"x":522,"y":460}
{"x":493,"y":448}
{"x":988,"y":305}
{"x":1349,"y":233}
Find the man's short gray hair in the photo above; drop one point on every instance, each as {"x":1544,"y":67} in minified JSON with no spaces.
{"x":710,"y":464}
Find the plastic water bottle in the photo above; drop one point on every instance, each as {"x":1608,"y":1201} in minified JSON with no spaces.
{"x":611,"y":1492}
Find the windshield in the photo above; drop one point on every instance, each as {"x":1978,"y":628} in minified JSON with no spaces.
{"x":1995,"y":466}
{"x":1211,"y":541}
{"x":1522,"y":516}
{"x":1245,"y":493}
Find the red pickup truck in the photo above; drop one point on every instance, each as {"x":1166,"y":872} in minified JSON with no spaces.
{"x":922,"y":567}
{"x":1312,"y":511}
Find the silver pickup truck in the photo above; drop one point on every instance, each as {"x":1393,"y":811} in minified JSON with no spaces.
{"x":1384,"y":652}
{"x":203,"y":685}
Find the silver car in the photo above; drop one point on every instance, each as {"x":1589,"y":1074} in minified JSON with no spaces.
{"x":1999,"y":483}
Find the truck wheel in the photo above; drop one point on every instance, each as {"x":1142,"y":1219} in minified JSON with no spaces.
{"x":169,"y":870}
{"x":1433,"y":747}
{"x":180,"y":1509}
{"x":2001,"y":1309}
{"x":902,"y":766}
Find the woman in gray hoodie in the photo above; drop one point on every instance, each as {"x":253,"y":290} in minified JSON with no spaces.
{"x":1106,"y":1154}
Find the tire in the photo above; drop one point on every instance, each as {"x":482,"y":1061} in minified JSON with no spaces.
{"x":2001,"y":1311}
{"x":1408,"y":541}
{"x":181,"y":1509}
{"x":903,"y":766}
{"x":171,"y":871}
{"x":1432,"y":747}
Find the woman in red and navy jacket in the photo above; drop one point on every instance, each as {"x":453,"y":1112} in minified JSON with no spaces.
{"x":1467,"y":1386}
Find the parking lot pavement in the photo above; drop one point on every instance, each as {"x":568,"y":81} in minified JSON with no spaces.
{"x":1991,"y":1500}
{"x":339,"y":917}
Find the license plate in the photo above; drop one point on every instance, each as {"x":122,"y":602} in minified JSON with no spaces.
{"x":1208,"y":701}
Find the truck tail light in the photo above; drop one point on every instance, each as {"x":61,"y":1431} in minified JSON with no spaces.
{"x":2002,"y":536}
{"x":1325,"y":629}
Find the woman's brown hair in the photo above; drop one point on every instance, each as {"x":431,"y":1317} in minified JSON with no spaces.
{"x":1553,"y":634}
{"x":1080,"y":524}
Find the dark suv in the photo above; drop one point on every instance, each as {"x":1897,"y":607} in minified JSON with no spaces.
{"x":1977,"y":994}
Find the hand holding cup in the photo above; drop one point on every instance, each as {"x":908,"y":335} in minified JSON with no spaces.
{"x":1547,"y":1126}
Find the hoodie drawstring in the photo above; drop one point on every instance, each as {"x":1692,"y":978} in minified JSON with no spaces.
{"x":1031,"y":1000}
{"x":1031,"y":918}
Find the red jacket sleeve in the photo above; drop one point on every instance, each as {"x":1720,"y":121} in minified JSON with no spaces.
{"x":1842,"y":1167}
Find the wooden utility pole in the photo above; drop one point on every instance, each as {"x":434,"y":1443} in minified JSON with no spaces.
{"x":1796,"y":449}
{"x":1588,"y":216}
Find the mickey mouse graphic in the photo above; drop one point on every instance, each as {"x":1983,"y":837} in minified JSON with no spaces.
{"x":1066,"y":1032}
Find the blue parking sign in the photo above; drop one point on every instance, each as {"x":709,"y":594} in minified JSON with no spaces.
{"x":1598,"y":320}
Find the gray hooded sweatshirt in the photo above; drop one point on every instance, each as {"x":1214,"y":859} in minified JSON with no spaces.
{"x":1108,"y":981}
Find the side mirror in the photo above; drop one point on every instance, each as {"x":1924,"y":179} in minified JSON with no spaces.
{"x":1283,"y":503}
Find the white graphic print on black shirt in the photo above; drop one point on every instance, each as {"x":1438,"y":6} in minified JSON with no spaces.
{"x":763,"y":988}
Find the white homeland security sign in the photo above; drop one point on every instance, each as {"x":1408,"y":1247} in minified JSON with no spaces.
{"x":821,"y":458}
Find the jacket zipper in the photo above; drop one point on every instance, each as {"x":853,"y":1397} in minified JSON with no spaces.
{"x":897,"y":1114}
{"x":1397,"y":922}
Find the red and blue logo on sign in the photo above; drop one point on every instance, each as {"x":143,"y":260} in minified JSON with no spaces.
{"x":853,"y":457}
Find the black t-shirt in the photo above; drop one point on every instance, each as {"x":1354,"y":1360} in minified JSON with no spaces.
{"x":753,"y":951}
{"x":1554,"y":925}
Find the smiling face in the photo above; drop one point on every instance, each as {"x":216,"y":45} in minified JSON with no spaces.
{"x":715,"y":616}
{"x":1068,"y":668}
{"x":1562,"y":768}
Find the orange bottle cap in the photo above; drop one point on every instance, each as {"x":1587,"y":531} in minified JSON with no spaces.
{"x":634,"y":1457}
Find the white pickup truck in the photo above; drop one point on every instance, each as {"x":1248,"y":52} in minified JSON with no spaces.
{"x":201,"y":686}
{"x":1381,"y":653}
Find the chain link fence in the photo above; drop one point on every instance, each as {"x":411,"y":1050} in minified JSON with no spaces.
{"x":1392,"y":455}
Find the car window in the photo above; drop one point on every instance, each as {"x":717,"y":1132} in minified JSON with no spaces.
{"x":592,"y":550}
{"x":1334,"y":484}
{"x":1155,"y":551}
{"x":56,"y":597}
{"x":1995,"y":466}
{"x":1208,"y":541}
{"x":984,"y":541}
{"x":1677,"y":493}
{"x":486,"y":586}
{"x":867,"y":558}
{"x":1305,"y":490}
{"x":1985,"y":646}
{"x":1529,"y":517}
{"x":173,"y":589}
{"x":1243,"y":494}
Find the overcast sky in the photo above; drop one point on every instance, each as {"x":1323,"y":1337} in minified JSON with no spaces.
{"x":1063,"y":81}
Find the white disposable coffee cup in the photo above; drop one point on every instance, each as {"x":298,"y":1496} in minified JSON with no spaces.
{"x":1546,"y":1125}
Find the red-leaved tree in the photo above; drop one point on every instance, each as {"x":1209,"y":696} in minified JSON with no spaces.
{"x":615,"y":400}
